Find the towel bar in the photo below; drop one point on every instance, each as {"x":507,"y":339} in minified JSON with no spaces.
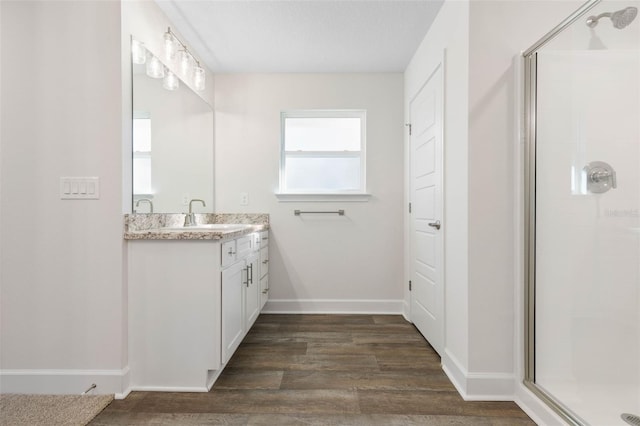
{"x":338,"y":212}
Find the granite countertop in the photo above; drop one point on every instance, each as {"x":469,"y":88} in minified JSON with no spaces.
{"x":150,"y":226}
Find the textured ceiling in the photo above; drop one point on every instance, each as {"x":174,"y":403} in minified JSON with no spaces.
{"x":303,"y":35}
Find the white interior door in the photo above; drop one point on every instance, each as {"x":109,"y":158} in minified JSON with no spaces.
{"x":426,"y":234}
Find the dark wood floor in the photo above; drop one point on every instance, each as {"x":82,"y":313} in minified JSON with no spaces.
{"x":322,"y":370}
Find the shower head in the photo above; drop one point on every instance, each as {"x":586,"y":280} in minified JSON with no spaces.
{"x":620,"y":18}
{"x":624,"y":17}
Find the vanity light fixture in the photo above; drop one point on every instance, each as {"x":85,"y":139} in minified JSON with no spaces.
{"x":155,"y":68}
{"x":138,"y":52}
{"x":198,"y":78}
{"x":170,"y":47}
{"x":170,"y":81}
{"x":188,"y":65}
{"x":185,"y":62}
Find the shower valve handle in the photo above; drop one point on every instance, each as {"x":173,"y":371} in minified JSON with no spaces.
{"x":600,"y":177}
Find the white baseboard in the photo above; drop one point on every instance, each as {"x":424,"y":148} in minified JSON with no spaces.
{"x":125,"y":384}
{"x":213,"y":376}
{"x":478,"y":386}
{"x":333,"y":306}
{"x":70,"y":382}
{"x":455,"y":372}
{"x":406,"y":310}
{"x":169,"y":389}
{"x":539,"y":412}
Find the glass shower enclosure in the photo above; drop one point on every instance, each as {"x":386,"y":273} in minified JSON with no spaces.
{"x":582,"y":204}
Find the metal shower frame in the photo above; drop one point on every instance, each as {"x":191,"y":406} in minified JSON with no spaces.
{"x":529,"y":109}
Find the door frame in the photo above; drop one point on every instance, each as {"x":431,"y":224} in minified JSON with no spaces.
{"x":433,"y":69}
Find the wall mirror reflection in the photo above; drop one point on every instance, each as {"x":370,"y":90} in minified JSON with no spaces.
{"x":173,"y":152}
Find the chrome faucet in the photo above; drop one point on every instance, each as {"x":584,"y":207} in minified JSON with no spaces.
{"x":190,"y":218}
{"x":146,"y":200}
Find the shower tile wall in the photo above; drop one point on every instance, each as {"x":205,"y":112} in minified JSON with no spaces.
{"x":588,"y":245}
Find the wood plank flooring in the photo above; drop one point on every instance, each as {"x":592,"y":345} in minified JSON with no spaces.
{"x":322,"y":370}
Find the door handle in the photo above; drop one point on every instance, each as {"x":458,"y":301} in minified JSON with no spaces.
{"x":435,"y":224}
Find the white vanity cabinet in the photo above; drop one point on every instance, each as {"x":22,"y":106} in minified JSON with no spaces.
{"x":264,"y":268}
{"x":191,"y":302}
{"x":240,"y":291}
{"x":174,"y":305}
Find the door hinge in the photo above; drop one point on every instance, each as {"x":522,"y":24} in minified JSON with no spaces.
{"x":409,"y":126}
{"x":409,"y":285}
{"x":409,"y":207}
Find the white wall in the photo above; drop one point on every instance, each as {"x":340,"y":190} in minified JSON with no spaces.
{"x":66,"y":111}
{"x":499,"y":30}
{"x":448,"y":37}
{"x":318,"y":263}
{"x":481,"y":39}
{"x":61,"y":267}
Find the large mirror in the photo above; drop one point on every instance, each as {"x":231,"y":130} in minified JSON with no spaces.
{"x":172,"y":145}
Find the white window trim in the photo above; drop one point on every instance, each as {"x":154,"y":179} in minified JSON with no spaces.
{"x":328,"y":196}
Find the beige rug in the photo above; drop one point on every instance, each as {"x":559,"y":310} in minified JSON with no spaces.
{"x":50,"y":409}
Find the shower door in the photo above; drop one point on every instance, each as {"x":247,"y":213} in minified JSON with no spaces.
{"x":584,"y":217}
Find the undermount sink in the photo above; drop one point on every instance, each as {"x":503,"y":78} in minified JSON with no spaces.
{"x":215,"y":227}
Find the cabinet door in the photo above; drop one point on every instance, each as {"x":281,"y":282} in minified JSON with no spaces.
{"x":252,"y":287}
{"x":233,"y":323}
{"x":264,"y":261}
{"x":264,"y":290}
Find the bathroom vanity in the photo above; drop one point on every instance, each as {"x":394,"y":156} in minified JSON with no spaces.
{"x":194,"y":293}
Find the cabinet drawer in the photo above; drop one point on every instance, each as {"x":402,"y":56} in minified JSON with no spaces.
{"x":244,"y":245}
{"x":264,"y":239}
{"x":264,"y":261}
{"x":228,"y":253}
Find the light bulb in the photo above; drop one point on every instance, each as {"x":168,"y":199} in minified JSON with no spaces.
{"x":155,"y":69}
{"x":185,"y":62}
{"x":169,"y":46}
{"x":170,"y":81}
{"x":199,"y":78}
{"x":138,"y":52}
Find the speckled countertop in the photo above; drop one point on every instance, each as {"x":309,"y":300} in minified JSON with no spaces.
{"x":149,"y":226}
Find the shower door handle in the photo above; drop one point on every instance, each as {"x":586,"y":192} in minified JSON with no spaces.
{"x":435,"y":224}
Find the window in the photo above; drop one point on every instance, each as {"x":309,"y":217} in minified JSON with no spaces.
{"x":142,"y":156}
{"x":323,"y":152}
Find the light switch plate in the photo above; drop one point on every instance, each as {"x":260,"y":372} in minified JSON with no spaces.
{"x":80,"y":188}
{"x":244,"y":199}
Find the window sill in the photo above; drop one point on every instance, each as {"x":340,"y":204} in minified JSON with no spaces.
{"x":295,"y":198}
